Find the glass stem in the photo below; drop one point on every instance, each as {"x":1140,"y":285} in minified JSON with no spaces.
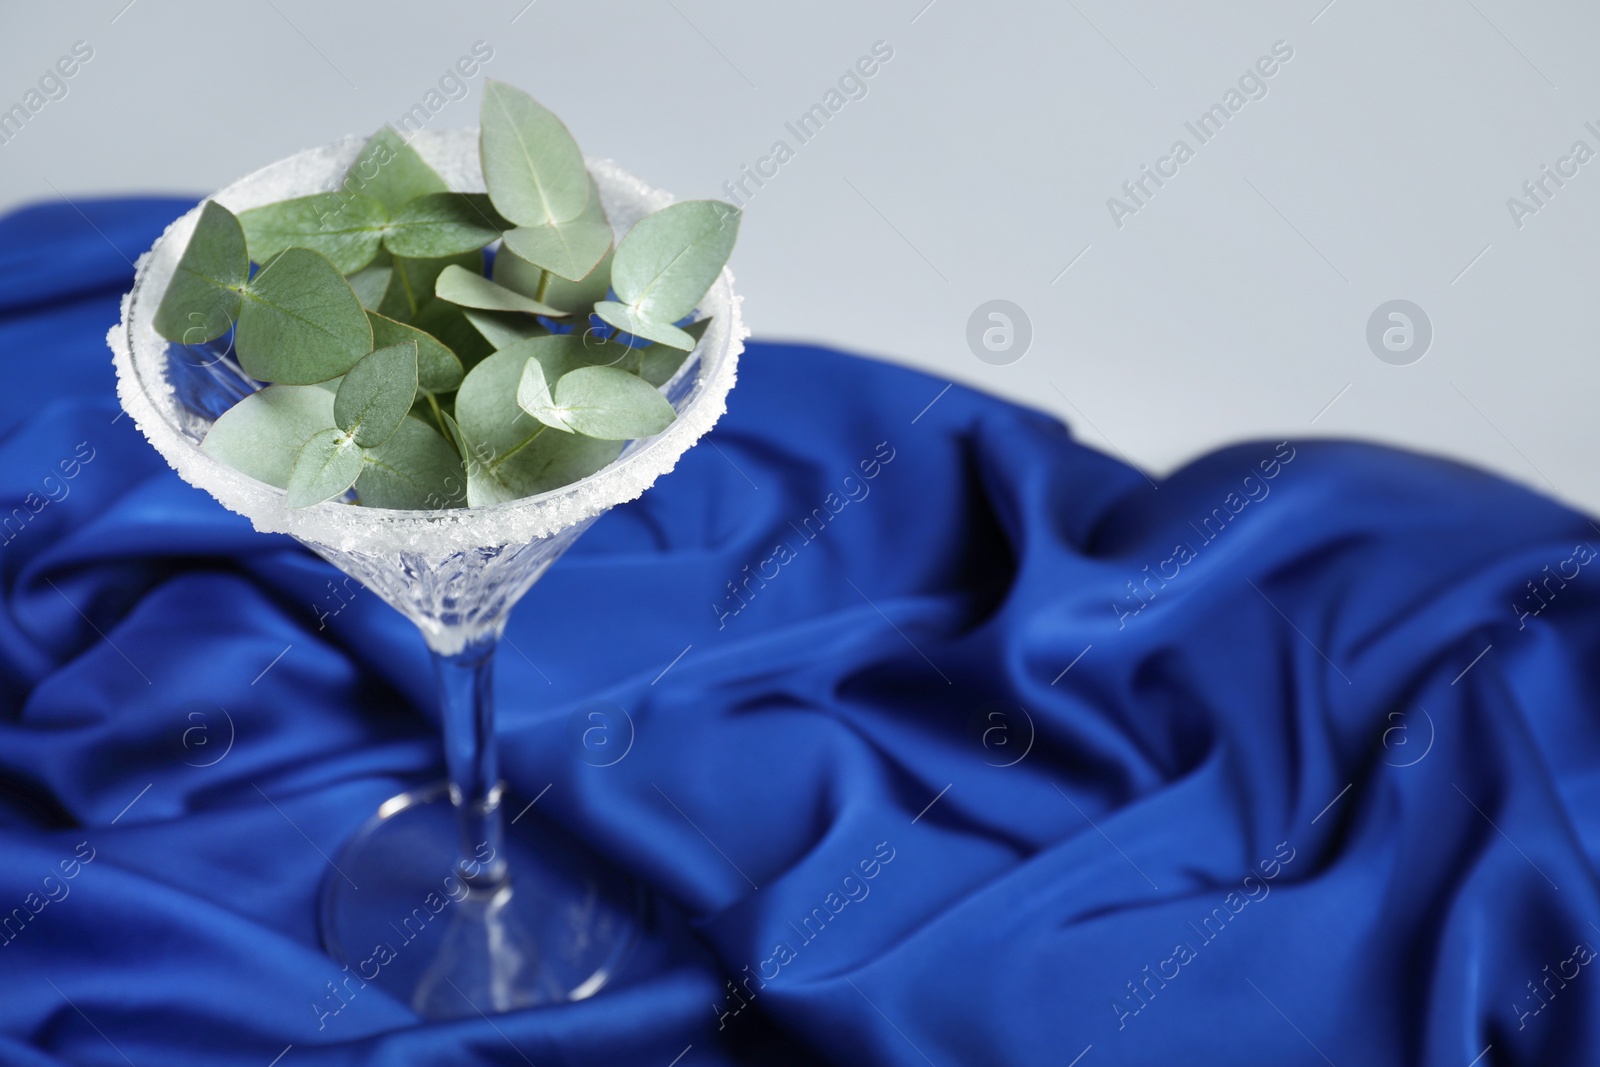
{"x":466,"y":700}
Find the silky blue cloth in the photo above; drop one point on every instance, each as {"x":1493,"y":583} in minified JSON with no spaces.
{"x":953,"y":741}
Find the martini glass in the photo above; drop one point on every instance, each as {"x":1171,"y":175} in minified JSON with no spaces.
{"x":439,"y":899}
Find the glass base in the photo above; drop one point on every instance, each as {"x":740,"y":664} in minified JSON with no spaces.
{"x":397,"y":914}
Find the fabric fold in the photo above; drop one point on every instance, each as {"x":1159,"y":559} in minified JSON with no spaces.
{"x":945,"y":739}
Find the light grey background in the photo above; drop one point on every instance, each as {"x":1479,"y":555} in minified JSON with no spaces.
{"x":1233,"y":304}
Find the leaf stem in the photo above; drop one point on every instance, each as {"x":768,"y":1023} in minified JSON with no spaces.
{"x":438,"y":416}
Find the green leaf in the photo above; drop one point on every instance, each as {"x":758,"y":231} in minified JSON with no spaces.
{"x":503,"y":329}
{"x":563,"y":353}
{"x":581,"y":296}
{"x":531,"y":164}
{"x":262,"y":434}
{"x":628,"y":320}
{"x":610,"y":404}
{"x":328,"y":465}
{"x":438,"y":369}
{"x":300,"y":322}
{"x":697,"y":330}
{"x":443,"y":224}
{"x":416,"y":469}
{"x":202,"y":299}
{"x":598,"y":350}
{"x":514,"y":272}
{"x":348,"y":228}
{"x":560,"y":356}
{"x":377,"y":394}
{"x":449,"y":324}
{"x":411,"y":286}
{"x":390,"y":171}
{"x":533,"y":396}
{"x":658,"y":363}
{"x":668,"y":260}
{"x":460,"y":286}
{"x":512,"y":455}
{"x":371,"y":283}
{"x":455,"y":435}
{"x":570,"y":249}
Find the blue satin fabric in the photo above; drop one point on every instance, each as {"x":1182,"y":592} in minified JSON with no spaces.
{"x":1001,"y":755}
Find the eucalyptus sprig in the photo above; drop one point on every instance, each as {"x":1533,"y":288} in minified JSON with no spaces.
{"x":397,"y":371}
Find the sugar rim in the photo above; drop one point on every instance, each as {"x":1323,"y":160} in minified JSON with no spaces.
{"x":139,"y":354}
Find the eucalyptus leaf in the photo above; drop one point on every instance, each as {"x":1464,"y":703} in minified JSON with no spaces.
{"x":300,"y":322}
{"x":514,"y":272}
{"x":449,"y":324}
{"x":327,"y":466}
{"x":531,"y":164}
{"x":628,"y":320}
{"x":371,"y":283}
{"x":453,"y":431}
{"x":556,"y":357}
{"x":460,"y":286}
{"x":438,"y":369}
{"x":571,"y":249}
{"x":611,"y":404}
{"x":658,"y":363}
{"x":202,"y":299}
{"x":600,"y":350}
{"x":262,"y":434}
{"x":416,"y":469}
{"x":583,"y":295}
{"x":513,"y":455}
{"x":534,"y":397}
{"x":390,"y":171}
{"x":348,"y":228}
{"x":503,"y":329}
{"x":424,"y":407}
{"x":405,"y":378}
{"x":668,"y":260}
{"x":443,"y":224}
{"x":377,"y":393}
{"x":411,"y":284}
{"x":563,"y":353}
{"x":697,"y":329}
